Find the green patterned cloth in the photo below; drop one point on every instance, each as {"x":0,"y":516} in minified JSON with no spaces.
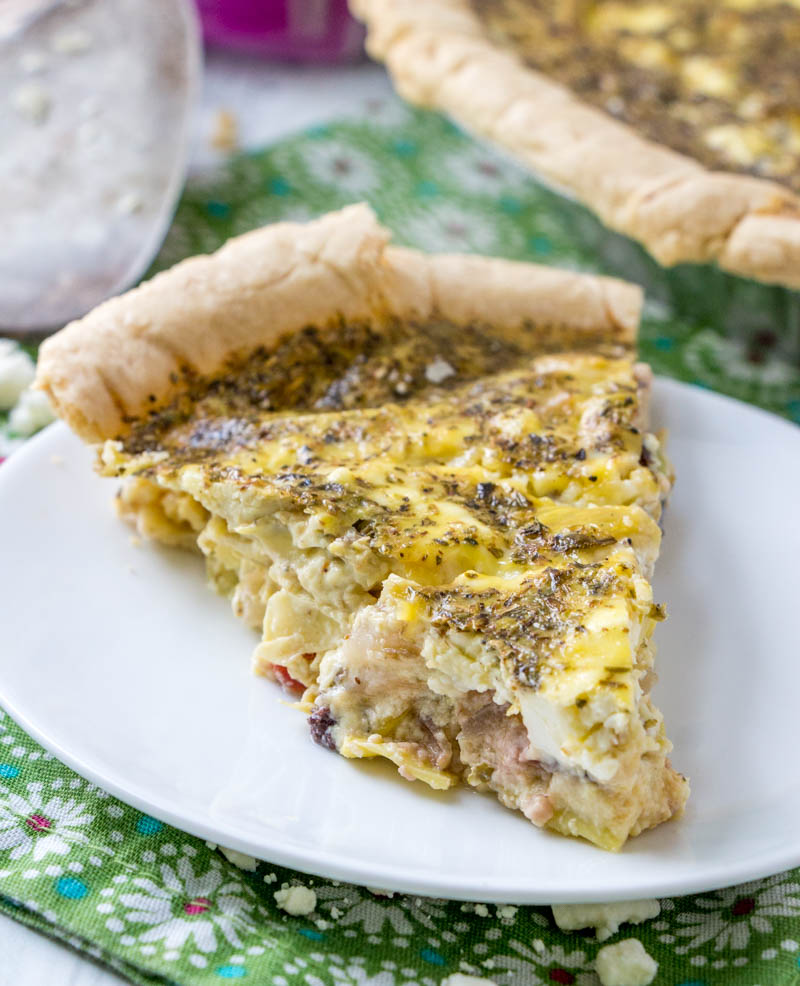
{"x":161,"y":906}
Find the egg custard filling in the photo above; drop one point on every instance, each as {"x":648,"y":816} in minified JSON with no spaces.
{"x":443,"y":529}
{"x":714,"y":81}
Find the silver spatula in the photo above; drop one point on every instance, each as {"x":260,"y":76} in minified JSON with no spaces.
{"x":95,"y":99}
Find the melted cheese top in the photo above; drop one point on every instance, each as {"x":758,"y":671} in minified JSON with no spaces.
{"x":714,"y":80}
{"x":519,"y":505}
{"x":463,"y":480}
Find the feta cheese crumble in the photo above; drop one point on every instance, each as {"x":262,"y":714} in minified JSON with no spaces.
{"x":16,"y":373}
{"x":296,"y":900}
{"x":459,"y":979}
{"x":507,"y":912}
{"x":240,"y":859}
{"x":31,"y":412}
{"x":604,"y":918}
{"x":625,"y":963}
{"x":438,"y":370}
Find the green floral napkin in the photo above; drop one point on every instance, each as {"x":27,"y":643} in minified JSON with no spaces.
{"x":160,"y":906}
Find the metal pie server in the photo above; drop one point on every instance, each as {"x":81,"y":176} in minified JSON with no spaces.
{"x":95,"y":105}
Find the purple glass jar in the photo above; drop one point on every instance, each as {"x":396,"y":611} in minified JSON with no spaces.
{"x":309,"y":30}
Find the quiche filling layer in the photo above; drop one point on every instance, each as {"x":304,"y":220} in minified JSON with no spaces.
{"x":716,"y":81}
{"x":445,"y":538}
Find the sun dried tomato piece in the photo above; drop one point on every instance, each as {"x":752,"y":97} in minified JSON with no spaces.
{"x":286,"y":681}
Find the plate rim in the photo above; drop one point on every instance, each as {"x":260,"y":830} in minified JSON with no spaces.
{"x":335,"y":864}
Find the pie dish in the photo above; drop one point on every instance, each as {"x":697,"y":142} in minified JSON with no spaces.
{"x":426,"y":480}
{"x":677,"y":123}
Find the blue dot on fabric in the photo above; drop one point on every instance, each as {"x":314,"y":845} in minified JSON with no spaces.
{"x":313,"y":935}
{"x":279,"y":186}
{"x":219,"y":210}
{"x":231,"y":971}
{"x":510,"y":205}
{"x":404,"y":148}
{"x":433,"y":957}
{"x":794,"y":410}
{"x":148,"y":826}
{"x":8,"y":770}
{"x":71,"y":888}
{"x":320,"y":130}
{"x":664,"y":343}
{"x":541,"y":244}
{"x":427,"y":189}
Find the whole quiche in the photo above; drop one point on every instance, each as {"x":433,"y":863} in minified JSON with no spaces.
{"x":677,"y":122}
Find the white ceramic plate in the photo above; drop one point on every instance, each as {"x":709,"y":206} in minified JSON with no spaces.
{"x":120,"y":661}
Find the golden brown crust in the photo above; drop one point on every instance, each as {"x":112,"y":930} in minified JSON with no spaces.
{"x":438,"y":56}
{"x":131,"y":353}
{"x":467,"y":288}
{"x":204,"y":311}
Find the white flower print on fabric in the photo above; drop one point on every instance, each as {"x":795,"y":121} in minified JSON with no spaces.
{"x":340,"y":166}
{"x":427,"y":911}
{"x":355,"y":975}
{"x":351,"y":972}
{"x":446,"y":227}
{"x":201,"y":909}
{"x":353,"y":907}
{"x":708,"y":352}
{"x":41,"y":824}
{"x":479,"y":171}
{"x":544,"y":964}
{"x":729,"y":918}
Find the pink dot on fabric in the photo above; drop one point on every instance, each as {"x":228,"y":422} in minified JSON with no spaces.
{"x":38,"y":823}
{"x":198,"y":905}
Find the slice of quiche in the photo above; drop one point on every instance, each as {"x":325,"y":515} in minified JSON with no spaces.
{"x":427,"y":481}
{"x":676,"y":121}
